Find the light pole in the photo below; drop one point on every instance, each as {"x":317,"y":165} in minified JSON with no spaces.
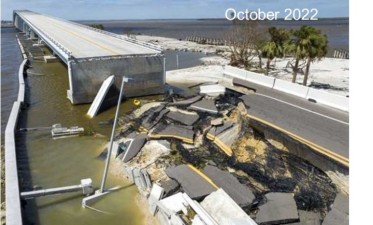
{"x":104,"y":176}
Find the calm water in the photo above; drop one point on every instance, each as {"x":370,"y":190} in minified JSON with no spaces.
{"x":11,"y":58}
{"x":337,"y":30}
{"x":44,"y":162}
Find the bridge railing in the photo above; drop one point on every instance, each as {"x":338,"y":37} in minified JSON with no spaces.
{"x":132,"y":40}
{"x":44,"y":35}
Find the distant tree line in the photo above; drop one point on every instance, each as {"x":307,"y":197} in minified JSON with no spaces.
{"x":304,"y":45}
{"x":97,"y":26}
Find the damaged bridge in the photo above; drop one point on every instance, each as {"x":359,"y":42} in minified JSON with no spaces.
{"x":92,"y":55}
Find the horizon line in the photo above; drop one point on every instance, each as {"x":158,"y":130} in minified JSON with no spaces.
{"x":321,"y":18}
{"x":212,"y":18}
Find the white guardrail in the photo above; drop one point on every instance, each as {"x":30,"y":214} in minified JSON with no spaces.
{"x":320,"y":96}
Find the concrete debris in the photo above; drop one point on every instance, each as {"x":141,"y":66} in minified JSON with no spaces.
{"x":97,"y":102}
{"x":220,"y":206}
{"x":339,"y":215}
{"x":217,"y":122}
{"x":186,"y":119}
{"x":212,"y":90}
{"x":183,"y":133}
{"x":140,"y":177}
{"x":194,"y":182}
{"x":240,"y":193}
{"x":175,"y":203}
{"x":170,"y":187}
{"x":280,"y":208}
{"x":205,"y":105}
{"x":148,"y":157}
{"x":120,"y":149}
{"x":186,"y":102}
{"x":155,"y":195}
{"x":134,"y":147}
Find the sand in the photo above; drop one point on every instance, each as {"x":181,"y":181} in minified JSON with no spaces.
{"x":332,"y":71}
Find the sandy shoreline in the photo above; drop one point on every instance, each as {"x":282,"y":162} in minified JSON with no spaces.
{"x":332,"y":73}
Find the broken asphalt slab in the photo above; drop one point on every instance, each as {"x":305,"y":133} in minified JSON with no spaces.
{"x":216,"y":130}
{"x":193,"y":182}
{"x":240,"y":193}
{"x":183,"y":133}
{"x":153,"y":116}
{"x":183,"y":118}
{"x":225,"y":139}
{"x":134,"y":147}
{"x":339,"y":214}
{"x":186,"y":102}
{"x":205,"y":105}
{"x":280,"y":208}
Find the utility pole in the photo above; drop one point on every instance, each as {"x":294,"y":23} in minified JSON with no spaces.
{"x":104,"y":176}
{"x":177,"y":61}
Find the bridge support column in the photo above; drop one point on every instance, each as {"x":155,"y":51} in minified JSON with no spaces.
{"x":32,"y":34}
{"x":28,"y":29}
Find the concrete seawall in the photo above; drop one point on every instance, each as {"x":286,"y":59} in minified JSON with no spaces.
{"x":12,"y":192}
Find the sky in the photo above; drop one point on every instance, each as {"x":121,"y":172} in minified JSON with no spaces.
{"x":164,"y":9}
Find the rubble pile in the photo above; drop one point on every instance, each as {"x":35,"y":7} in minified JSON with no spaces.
{"x":205,"y":143}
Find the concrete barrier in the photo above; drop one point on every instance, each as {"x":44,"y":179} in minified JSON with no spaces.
{"x":333,"y":100}
{"x":260,"y":79}
{"x":291,"y":88}
{"x":21,"y":81}
{"x":249,"y":76}
{"x":12,"y":194}
{"x":231,"y":71}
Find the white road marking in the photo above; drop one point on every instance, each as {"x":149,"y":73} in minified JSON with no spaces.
{"x":308,"y":110}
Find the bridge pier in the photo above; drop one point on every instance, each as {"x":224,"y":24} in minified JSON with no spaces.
{"x":87,"y":75}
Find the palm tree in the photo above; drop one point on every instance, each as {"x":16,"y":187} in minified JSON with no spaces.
{"x":275,"y":47}
{"x":307,"y":43}
{"x":295,"y":47}
{"x":270,"y":51}
{"x":316,"y":47}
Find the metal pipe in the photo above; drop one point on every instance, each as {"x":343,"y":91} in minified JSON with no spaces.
{"x":85,"y":186}
{"x":104,"y":176}
{"x":164,"y":69}
{"x":51,"y":191}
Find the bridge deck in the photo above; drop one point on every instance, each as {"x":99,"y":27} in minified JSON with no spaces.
{"x":81,"y":41}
